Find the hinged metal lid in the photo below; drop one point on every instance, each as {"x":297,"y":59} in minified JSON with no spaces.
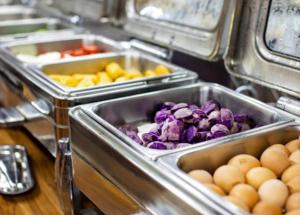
{"x":266,"y":47}
{"x":97,"y":10}
{"x":197,"y":27}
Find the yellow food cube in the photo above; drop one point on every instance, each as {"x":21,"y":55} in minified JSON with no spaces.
{"x":150,"y":73}
{"x":114,"y":70}
{"x":86,"y":82}
{"x":121,"y":79}
{"x":71,"y":82}
{"x":80,"y":77}
{"x":58,"y":78}
{"x":65,"y":80}
{"x":133,"y":74}
{"x":161,"y":70}
{"x":103,"y":78}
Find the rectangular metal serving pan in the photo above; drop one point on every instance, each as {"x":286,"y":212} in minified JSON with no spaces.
{"x":137,"y":110}
{"x":126,"y":59}
{"x":210,"y":157}
{"x":16,"y":12}
{"x":69,"y":42}
{"x":20,"y":29}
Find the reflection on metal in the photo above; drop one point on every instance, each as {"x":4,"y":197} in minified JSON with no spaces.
{"x":289,"y":105}
{"x":15,"y":172}
{"x":203,"y":14}
{"x":283,"y":28}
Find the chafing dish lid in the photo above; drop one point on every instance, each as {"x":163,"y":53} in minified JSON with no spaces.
{"x":197,"y":27}
{"x":266,"y":47}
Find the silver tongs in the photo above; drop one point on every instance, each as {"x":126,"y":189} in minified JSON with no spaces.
{"x":15,"y":173}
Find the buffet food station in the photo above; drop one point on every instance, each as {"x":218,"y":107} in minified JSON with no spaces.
{"x":137,"y":134}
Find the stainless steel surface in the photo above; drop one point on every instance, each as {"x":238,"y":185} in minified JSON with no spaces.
{"x":249,"y":57}
{"x":15,"y":172}
{"x":63,"y":176}
{"x":207,"y":42}
{"x":42,"y":45}
{"x":20,"y":29}
{"x":17,"y":12}
{"x":138,"y":110}
{"x":133,"y":173}
{"x":210,"y":157}
{"x":288,"y":104}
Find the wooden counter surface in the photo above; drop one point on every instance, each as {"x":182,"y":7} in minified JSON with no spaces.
{"x":42,"y":199}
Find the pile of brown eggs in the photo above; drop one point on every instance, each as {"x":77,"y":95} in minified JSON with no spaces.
{"x":269,"y":186}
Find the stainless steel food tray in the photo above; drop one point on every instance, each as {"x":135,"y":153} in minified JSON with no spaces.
{"x":210,"y":157}
{"x":20,"y":29}
{"x":136,"y":110}
{"x":127,"y":59}
{"x":43,"y":45}
{"x":130,"y":171}
{"x":17,"y":12}
{"x":15,"y":172}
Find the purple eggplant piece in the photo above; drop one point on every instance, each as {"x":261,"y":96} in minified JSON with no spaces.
{"x":226,"y":117}
{"x":183,"y":113}
{"x":204,"y":125}
{"x":193,"y":107}
{"x":179,"y":106}
{"x":214,"y":117}
{"x":150,"y":137}
{"x":157,"y":145}
{"x":198,"y":113}
{"x":191,"y":133}
{"x":171,"y":131}
{"x":210,"y":106}
{"x":161,"y":116}
{"x":219,"y":130}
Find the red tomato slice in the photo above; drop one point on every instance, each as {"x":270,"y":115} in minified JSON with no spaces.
{"x":78,"y":52}
{"x":91,"y":49}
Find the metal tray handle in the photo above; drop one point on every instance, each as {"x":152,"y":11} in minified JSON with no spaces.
{"x":69,"y":196}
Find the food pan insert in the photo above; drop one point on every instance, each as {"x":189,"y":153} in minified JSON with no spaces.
{"x":17,"y":29}
{"x":129,"y":60}
{"x":16,"y":12}
{"x":137,"y":110}
{"x":57,"y":44}
{"x":210,"y":157}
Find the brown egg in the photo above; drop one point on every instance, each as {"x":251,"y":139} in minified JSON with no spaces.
{"x":293,"y":202}
{"x":246,"y":193}
{"x":201,"y":176}
{"x":293,"y":145}
{"x":244,"y":162}
{"x":290,"y":173}
{"x":295,"y":157}
{"x":274,"y":191}
{"x":215,"y":189}
{"x":294,"y":184}
{"x":266,"y":208}
{"x":275,"y":159}
{"x":258,"y":175}
{"x":294,"y":212}
{"x":238,"y":202}
{"x":280,"y":147}
{"x":227,"y":176}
